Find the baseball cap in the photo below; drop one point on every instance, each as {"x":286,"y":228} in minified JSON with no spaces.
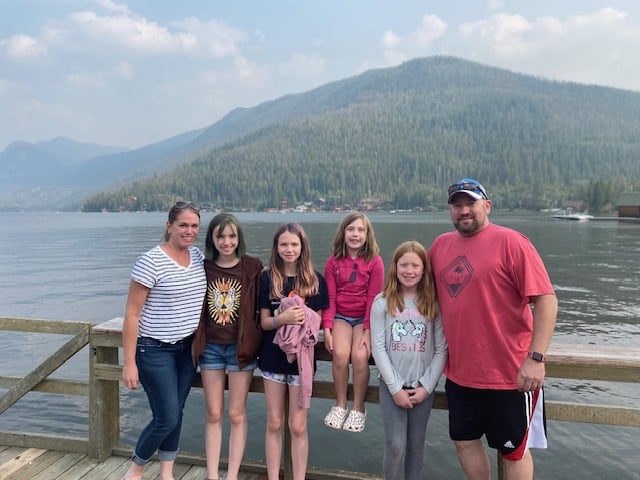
{"x":471,"y":187}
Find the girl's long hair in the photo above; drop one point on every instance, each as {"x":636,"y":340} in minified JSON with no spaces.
{"x":223,"y":220}
{"x":426,"y":301}
{"x":370,"y":248}
{"x":306,"y":282}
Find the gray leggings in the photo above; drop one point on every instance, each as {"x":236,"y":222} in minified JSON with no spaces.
{"x":404,"y":436}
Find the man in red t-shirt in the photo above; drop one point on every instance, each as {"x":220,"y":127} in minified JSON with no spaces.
{"x":488,"y":278}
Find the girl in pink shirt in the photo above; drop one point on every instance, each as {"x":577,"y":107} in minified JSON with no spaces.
{"x":355,"y":275}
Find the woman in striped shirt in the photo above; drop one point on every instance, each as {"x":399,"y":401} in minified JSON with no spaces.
{"x":165,"y":298}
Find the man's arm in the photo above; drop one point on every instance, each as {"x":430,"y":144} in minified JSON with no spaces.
{"x":545,"y":310}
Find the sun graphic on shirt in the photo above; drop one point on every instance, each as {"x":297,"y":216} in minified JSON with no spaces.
{"x":223,"y":300}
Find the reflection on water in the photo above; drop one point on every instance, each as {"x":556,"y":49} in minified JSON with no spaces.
{"x":76,"y":267}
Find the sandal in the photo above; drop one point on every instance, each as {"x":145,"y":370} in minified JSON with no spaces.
{"x":355,"y":422}
{"x":335,"y":418}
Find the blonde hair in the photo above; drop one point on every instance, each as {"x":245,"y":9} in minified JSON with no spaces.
{"x":370,"y":248}
{"x":306,"y":282}
{"x":426,"y":301}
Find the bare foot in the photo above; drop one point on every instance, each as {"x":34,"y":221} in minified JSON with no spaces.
{"x":134,"y":473}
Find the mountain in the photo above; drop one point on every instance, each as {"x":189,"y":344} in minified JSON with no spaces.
{"x":33,"y":174}
{"x":393,"y":136}
{"x":29,"y":165}
{"x":398,"y":136}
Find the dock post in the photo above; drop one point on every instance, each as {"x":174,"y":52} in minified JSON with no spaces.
{"x":104,"y":402}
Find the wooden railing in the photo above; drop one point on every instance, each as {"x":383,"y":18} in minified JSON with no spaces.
{"x":580,"y":362}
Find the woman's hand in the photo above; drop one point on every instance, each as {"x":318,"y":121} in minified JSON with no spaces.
{"x":130,"y":376}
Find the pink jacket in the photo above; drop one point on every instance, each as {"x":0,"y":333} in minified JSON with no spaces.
{"x":298,"y":342}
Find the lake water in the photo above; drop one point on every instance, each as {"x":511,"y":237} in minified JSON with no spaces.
{"x":75,"y":267}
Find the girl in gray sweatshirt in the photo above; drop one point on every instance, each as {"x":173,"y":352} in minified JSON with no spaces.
{"x":410,"y":351}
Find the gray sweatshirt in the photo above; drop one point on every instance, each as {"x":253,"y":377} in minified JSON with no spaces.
{"x":409,"y":350}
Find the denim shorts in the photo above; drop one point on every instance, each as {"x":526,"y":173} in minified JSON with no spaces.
{"x":287,"y":379}
{"x":221,"y":357}
{"x":353,"y":321}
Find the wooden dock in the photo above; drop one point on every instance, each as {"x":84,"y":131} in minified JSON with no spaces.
{"x":17,"y":463}
{"x":101,"y":455}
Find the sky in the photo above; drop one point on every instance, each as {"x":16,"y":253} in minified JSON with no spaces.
{"x":133,"y":73}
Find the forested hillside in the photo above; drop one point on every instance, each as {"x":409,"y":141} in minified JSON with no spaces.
{"x":399,"y":136}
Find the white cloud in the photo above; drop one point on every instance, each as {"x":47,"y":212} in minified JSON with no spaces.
{"x":130,"y":32}
{"x":213,"y":38}
{"x":431,"y":28}
{"x":23,"y":46}
{"x":302,"y":66}
{"x":396,"y":48}
{"x":390,"y":39}
{"x":504,"y":34}
{"x":583,"y":48}
{"x":121,"y":30}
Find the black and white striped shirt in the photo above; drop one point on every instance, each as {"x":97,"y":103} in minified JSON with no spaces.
{"x":172,"y":309}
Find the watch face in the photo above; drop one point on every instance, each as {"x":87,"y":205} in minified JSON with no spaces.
{"x":537,"y":356}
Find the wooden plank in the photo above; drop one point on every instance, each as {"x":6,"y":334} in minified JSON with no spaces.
{"x":120,"y":471}
{"x":81,"y":469}
{"x":105,"y":371}
{"x":42,"y":326}
{"x":593,"y":362}
{"x":47,"y":442}
{"x":113,"y":325}
{"x":109,"y":465}
{"x":51,"y":385}
{"x":19,"y":461}
{"x":588,"y":362}
{"x":314,"y":473}
{"x":593,"y":353}
{"x":598,"y":414}
{"x":36,"y":466}
{"x":8,"y":453}
{"x":60,"y":467}
{"x":52,"y":363}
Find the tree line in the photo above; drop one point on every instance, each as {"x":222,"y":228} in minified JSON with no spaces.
{"x":398,"y":143}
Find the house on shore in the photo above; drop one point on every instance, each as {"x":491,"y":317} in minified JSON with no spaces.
{"x":628,"y":204}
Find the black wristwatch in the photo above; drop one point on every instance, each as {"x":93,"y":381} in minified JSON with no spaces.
{"x":536,"y":356}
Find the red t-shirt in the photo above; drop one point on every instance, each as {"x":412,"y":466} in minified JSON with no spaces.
{"x":484,"y":284}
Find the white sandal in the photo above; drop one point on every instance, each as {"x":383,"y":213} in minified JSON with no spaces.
{"x":355,"y":422}
{"x":335,"y":418}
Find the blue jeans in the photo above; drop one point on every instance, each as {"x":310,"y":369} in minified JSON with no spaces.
{"x":217,"y":356}
{"x":166,"y":372}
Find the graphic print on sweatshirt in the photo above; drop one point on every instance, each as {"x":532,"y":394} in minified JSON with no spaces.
{"x":408,"y":332}
{"x":223,"y":300}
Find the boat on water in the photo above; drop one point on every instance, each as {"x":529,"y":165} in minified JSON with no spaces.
{"x":569,"y":214}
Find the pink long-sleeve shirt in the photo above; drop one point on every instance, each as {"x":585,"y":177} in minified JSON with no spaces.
{"x":353,"y":284}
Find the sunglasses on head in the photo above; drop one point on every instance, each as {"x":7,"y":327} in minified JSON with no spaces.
{"x":469,"y":187}
{"x":192,"y":205}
